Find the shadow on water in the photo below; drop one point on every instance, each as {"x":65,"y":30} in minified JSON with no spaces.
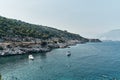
{"x":42,"y":55}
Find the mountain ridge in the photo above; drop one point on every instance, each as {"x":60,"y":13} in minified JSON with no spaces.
{"x":12,"y":27}
{"x":18,"y":37}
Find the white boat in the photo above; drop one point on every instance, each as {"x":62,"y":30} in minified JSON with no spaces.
{"x":31,"y":57}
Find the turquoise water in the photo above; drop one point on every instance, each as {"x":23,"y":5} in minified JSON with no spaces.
{"x":91,"y":61}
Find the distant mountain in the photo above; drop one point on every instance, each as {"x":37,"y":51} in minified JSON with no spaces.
{"x":12,"y":28}
{"x":113,"y":35}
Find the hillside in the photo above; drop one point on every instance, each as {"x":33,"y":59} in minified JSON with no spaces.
{"x":15,"y":28}
{"x":18,"y":37}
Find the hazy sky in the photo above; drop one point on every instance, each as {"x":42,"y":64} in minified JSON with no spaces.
{"x":85,"y":17}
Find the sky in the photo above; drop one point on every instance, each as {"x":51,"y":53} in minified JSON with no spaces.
{"x":88,"y":18}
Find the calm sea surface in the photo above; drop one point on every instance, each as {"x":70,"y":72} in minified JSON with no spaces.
{"x":91,"y":61}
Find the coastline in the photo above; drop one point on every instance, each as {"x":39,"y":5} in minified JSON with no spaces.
{"x":18,"y":37}
{"x":11,"y":49}
{"x":21,"y":48}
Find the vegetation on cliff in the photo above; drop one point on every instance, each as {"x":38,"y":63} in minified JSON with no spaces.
{"x":16,"y":28}
{"x":18,"y":37}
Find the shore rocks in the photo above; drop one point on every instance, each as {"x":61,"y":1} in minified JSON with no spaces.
{"x":18,"y":48}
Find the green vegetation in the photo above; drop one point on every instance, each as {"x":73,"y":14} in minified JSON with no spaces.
{"x":16,"y":28}
{"x":0,"y":77}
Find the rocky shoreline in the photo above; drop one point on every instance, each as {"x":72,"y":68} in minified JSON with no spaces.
{"x":18,"y":37}
{"x":28,"y":48}
{"x":19,"y":48}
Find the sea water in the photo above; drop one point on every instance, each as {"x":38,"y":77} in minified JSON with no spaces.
{"x":91,"y":61}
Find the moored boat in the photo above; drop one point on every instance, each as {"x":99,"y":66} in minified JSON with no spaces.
{"x":68,"y":53}
{"x":31,"y":57}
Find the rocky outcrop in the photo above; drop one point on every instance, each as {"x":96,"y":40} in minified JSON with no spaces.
{"x":18,"y":48}
{"x":18,"y":37}
{"x":94,"y":40}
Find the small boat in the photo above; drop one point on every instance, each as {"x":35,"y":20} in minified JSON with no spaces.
{"x":31,"y":57}
{"x":68,"y":53}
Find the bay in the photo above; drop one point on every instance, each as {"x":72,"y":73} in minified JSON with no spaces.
{"x":91,"y":61}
